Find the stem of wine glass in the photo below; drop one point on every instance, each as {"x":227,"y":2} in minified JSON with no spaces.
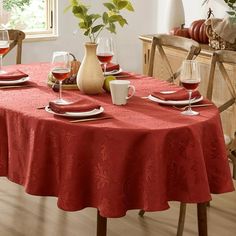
{"x":0,"y":62}
{"x":105,"y":69}
{"x":189,"y":100}
{"x":60,"y":90}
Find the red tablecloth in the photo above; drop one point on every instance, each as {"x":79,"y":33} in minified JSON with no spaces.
{"x":147,"y":155}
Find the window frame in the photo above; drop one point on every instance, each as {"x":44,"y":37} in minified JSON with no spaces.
{"x":52,"y":24}
{"x":51,"y":31}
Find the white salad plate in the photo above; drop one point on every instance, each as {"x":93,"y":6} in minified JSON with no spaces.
{"x":76,"y":114}
{"x":174,"y":102}
{"x":11,"y":82}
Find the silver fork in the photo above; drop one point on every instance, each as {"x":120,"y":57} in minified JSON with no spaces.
{"x":14,"y":86}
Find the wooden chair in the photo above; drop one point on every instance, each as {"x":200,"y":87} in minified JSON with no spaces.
{"x":220,"y":57}
{"x":16,"y":38}
{"x":193,"y":49}
{"x":190,"y":46}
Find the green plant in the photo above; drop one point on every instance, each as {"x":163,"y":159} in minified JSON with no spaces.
{"x":232,"y":5}
{"x":8,"y":5}
{"x":92,"y":24}
{"x":232,"y":8}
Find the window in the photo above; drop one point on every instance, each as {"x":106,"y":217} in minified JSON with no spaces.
{"x":37,"y":18}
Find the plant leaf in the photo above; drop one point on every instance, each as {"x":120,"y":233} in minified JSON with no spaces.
{"x":67,"y":8}
{"x":96,"y":28}
{"x":122,"y":4}
{"x":105,"y":18}
{"x":123,"y":22}
{"x":115,"y":2}
{"x":95,"y":16}
{"x":82,"y":25}
{"x":74,"y":2}
{"x":87,"y":32}
{"x":115,"y":18}
{"x":109,"y":6}
{"x":231,"y":13}
{"x":80,"y":16}
{"x":129,"y":7}
{"x":112,"y":28}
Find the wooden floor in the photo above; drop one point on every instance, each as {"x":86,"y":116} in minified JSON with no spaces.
{"x":25,"y":215}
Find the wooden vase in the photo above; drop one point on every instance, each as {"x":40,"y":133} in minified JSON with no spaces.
{"x":90,"y":75}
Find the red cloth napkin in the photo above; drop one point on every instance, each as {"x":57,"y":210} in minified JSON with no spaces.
{"x":13,"y":75}
{"x":181,"y":94}
{"x":81,"y":105}
{"x":111,"y":67}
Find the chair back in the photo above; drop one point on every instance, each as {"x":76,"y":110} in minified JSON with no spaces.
{"x":16,"y":38}
{"x":220,"y":57}
{"x":190,"y":46}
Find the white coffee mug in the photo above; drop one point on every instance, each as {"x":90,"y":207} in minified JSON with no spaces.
{"x":120,"y":91}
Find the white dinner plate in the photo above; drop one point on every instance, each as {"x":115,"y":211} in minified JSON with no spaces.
{"x":114,"y":72}
{"x":76,"y":114}
{"x":172,"y":102}
{"x":11,"y":82}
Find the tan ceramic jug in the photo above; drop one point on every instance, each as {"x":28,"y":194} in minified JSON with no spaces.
{"x":90,"y":75}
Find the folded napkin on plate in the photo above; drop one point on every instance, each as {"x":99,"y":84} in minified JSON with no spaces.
{"x":181,"y":94}
{"x":13,"y":75}
{"x":111,"y":67}
{"x":81,"y":105}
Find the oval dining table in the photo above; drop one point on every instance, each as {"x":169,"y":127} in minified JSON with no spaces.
{"x":144,"y":156}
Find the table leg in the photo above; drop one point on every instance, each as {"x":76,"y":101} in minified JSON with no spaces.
{"x":202,"y":219}
{"x":101,"y":225}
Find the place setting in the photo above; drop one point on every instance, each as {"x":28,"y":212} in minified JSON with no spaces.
{"x":105,"y":54}
{"x":82,"y":109}
{"x":186,"y":97}
{"x":13,"y":78}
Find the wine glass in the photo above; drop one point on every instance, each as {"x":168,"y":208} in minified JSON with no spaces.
{"x":105,"y":51}
{"x":190,"y":79}
{"x":4,"y":46}
{"x":60,"y":69}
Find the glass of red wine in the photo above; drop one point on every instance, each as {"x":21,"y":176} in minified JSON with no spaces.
{"x":190,"y":79}
{"x":105,"y":51}
{"x":4,"y":46}
{"x":60,"y":69}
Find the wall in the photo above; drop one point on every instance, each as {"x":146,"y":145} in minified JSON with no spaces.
{"x":147,"y":19}
{"x":193,"y":10}
{"x":129,"y":47}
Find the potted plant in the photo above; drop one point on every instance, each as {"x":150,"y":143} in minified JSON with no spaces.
{"x":90,"y":77}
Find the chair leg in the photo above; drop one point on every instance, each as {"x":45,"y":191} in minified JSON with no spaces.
{"x":101,"y":225}
{"x":234,"y":171}
{"x":233,"y":158}
{"x":202,"y":219}
{"x":182,"y":213}
{"x":141,"y":213}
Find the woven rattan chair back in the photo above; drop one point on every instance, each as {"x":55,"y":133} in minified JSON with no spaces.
{"x":158,"y":42}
